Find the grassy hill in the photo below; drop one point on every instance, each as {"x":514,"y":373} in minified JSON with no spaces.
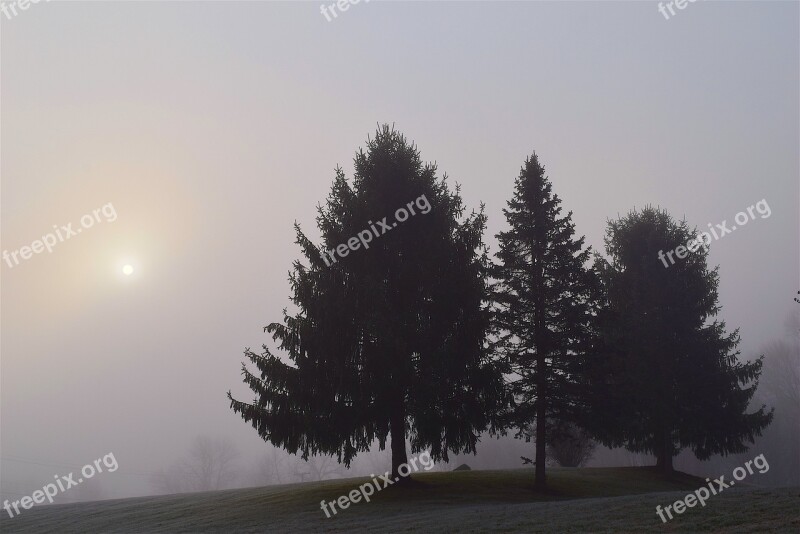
{"x":581,"y":500}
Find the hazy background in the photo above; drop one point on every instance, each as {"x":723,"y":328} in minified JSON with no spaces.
{"x":213,"y":126}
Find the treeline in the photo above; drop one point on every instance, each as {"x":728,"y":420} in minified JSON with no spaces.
{"x":420,"y":336}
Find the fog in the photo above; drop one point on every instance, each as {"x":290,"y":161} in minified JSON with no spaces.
{"x":212,"y":127}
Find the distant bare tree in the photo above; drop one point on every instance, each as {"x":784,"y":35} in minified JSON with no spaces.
{"x":781,"y":384}
{"x":316,"y":468}
{"x":170,"y":480}
{"x":271,"y":469}
{"x":209,"y":465}
{"x":781,"y":377}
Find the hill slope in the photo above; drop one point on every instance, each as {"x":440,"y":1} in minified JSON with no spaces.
{"x":582,"y":500}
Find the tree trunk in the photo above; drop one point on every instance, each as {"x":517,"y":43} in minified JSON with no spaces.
{"x":397,"y":423}
{"x":540,"y":332}
{"x":664,"y":462}
{"x":541,"y":421}
{"x":664,"y":455}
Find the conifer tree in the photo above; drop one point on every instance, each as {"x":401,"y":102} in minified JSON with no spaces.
{"x":389,"y":340}
{"x":543,"y":294}
{"x":667,"y":375}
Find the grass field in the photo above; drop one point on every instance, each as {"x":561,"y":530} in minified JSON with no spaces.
{"x":581,"y":500}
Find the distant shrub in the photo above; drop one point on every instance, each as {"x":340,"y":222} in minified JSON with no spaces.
{"x":570,"y":446}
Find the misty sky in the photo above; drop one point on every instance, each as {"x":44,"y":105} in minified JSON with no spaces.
{"x":211,"y":127}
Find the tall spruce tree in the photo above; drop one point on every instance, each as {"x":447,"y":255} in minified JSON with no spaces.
{"x":389,"y":340}
{"x":543,"y":294}
{"x":666,"y":375}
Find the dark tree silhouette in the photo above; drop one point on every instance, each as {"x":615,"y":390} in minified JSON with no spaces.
{"x":543,"y":295}
{"x":389,"y":340}
{"x":667,"y":375}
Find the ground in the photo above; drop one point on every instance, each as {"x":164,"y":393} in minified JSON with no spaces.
{"x":581,"y":500}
